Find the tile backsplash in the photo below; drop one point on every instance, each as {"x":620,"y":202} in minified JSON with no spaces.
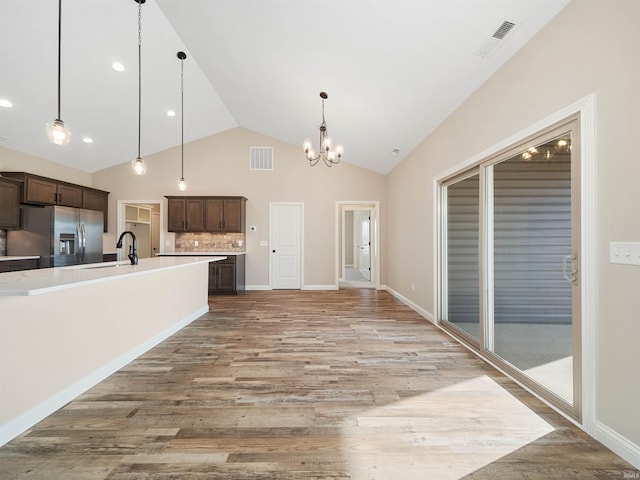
{"x":210,"y":242}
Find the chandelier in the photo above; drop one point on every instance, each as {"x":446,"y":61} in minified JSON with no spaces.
{"x":327,"y":153}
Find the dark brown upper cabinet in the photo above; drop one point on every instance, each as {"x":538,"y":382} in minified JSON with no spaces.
{"x":207,"y":214}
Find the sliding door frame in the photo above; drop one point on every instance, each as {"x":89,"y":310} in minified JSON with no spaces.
{"x":587,"y":308}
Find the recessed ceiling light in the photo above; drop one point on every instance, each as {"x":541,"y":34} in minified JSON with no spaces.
{"x":118,"y":67}
{"x":5,"y":103}
{"x":171,"y":113}
{"x":87,"y":140}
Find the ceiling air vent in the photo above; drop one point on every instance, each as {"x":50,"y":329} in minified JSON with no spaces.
{"x":261,"y":158}
{"x":498,"y":38}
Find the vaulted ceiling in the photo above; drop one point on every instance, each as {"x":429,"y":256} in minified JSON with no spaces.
{"x":393,"y":70}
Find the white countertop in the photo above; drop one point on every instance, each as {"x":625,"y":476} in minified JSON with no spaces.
{"x":44,"y":280}
{"x":197,"y":254}
{"x":5,"y":258}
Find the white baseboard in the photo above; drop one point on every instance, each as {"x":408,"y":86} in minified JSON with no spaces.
{"x":619,"y":444}
{"x":425,"y":313}
{"x":304,"y":287}
{"x":319,"y":287}
{"x":20,"y":424}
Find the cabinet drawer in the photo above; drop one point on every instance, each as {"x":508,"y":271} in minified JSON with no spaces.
{"x":16,"y":265}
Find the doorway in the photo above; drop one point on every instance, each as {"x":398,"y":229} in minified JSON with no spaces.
{"x":357,"y":260}
{"x":144,"y":219}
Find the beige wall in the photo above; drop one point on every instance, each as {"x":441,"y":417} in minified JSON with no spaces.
{"x":591,"y":47}
{"x":219,"y":165}
{"x":14,"y":161}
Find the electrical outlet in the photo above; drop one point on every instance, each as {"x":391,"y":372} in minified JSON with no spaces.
{"x":195,"y":243}
{"x":413,"y":287}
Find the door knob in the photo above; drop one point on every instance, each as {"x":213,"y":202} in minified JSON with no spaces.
{"x":273,"y":251}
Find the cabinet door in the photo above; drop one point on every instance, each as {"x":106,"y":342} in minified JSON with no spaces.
{"x":97,"y":200}
{"x":38,"y":190}
{"x":177,"y":219}
{"x":232,"y":220}
{"x":195,"y":215}
{"x":213,"y":215}
{"x":69,"y":195}
{"x":9,"y":204}
{"x":226,"y":281}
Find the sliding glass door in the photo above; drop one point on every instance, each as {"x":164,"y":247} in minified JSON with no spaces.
{"x":511,"y":290}
{"x":460,"y":260}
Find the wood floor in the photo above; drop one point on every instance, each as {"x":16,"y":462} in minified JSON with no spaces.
{"x":347,"y":384}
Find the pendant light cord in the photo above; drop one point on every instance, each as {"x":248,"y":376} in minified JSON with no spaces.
{"x":182,"y":117}
{"x":59,"y":52}
{"x":139,"y":73}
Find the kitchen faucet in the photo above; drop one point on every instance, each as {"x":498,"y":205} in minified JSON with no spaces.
{"x":133,"y":249}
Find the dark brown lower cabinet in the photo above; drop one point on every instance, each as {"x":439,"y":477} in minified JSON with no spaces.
{"x":16,"y":265}
{"x":227,"y":276}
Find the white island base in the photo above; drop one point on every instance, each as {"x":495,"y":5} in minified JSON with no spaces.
{"x":55,"y":343}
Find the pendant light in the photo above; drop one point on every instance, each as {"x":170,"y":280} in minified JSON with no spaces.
{"x":57,"y":131}
{"x":138,"y":164}
{"x":182,"y":185}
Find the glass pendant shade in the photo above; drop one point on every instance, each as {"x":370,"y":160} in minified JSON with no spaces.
{"x":139,"y":166}
{"x":58,"y":132}
{"x":182,"y":185}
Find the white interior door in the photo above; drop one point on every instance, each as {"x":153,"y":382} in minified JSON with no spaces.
{"x":364,"y":250}
{"x":285,"y":242}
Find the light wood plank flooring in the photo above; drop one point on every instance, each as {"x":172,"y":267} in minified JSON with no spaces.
{"x":347,"y":384}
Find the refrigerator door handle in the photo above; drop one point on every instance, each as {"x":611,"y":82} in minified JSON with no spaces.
{"x":84,"y":240}
{"x":78,"y":242}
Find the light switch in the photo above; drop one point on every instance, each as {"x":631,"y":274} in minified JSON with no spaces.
{"x":625,"y":253}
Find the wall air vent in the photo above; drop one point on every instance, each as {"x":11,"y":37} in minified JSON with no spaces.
{"x":493,"y":43}
{"x":261,"y":158}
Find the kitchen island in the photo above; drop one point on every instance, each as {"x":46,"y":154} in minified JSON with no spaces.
{"x":63,"y":330}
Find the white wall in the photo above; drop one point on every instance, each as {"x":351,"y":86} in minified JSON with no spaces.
{"x":592,"y":46}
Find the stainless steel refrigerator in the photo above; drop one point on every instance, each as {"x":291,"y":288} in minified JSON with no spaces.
{"x":59,"y":235}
